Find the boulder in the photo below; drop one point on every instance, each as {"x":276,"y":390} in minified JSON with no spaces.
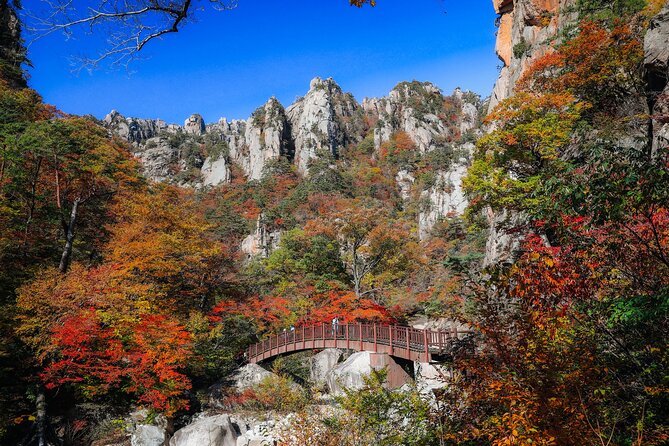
{"x":208,"y":431}
{"x":323,"y":362}
{"x":249,"y":376}
{"x":430,"y":376}
{"x":148,"y":435}
{"x":349,"y":374}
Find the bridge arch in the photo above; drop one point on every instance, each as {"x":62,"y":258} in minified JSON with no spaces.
{"x":407,"y":343}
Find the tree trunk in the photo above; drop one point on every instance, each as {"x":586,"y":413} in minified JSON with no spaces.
{"x":69,"y":238}
{"x":40,"y":420}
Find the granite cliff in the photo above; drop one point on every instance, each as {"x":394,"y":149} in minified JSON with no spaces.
{"x":321,"y":124}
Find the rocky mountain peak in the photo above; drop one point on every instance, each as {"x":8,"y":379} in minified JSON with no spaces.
{"x":195,"y":125}
{"x":328,"y":84}
{"x":323,"y":121}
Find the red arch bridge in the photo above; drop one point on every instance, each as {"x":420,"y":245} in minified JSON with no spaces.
{"x":408,"y":343}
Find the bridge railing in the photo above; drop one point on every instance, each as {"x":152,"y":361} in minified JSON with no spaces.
{"x":397,"y":337}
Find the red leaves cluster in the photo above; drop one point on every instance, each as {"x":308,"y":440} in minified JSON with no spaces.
{"x":274,"y":313}
{"x":144,"y":358}
{"x":598,"y":65}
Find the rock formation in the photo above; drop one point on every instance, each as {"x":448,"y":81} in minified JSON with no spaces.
{"x":415,"y":108}
{"x":349,"y":374}
{"x":261,"y":242}
{"x":525,"y":30}
{"x":656,"y":62}
{"x":148,"y":435}
{"x":322,"y":363}
{"x":267,"y":137}
{"x":216,"y":430}
{"x":250,"y":375}
{"x":323,"y":121}
{"x":12,"y":51}
{"x":446,"y":197}
{"x":194,"y":125}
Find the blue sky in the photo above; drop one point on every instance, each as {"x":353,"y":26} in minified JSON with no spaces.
{"x":231,"y":62}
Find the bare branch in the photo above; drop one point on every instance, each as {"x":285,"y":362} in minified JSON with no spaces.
{"x":129,"y":24}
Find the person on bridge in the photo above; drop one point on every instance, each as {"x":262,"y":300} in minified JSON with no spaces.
{"x":335,"y":326}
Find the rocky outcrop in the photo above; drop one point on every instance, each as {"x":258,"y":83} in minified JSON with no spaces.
{"x":262,"y":242}
{"x":208,"y":431}
{"x":323,"y":121}
{"x":322,"y":363}
{"x":446,"y":197}
{"x":405,"y":180}
{"x":416,"y":108}
{"x":350,"y":373}
{"x":250,"y":375}
{"x":148,"y":435}
{"x":656,"y":62}
{"x":433,"y":122}
{"x":194,"y":125}
{"x":215,"y":171}
{"x":267,"y":137}
{"x":525,"y":32}
{"x":136,"y":130}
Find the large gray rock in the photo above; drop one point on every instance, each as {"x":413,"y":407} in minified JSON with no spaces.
{"x":322,"y":363}
{"x":267,"y":137}
{"x":250,"y":375}
{"x":430,"y":377}
{"x":208,"y":431}
{"x":148,"y":435}
{"x":323,"y":121}
{"x":194,"y":125}
{"x":215,"y":171}
{"x":350,"y":373}
{"x":262,"y":242}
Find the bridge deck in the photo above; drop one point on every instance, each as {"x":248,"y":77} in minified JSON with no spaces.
{"x":404,"y":342}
